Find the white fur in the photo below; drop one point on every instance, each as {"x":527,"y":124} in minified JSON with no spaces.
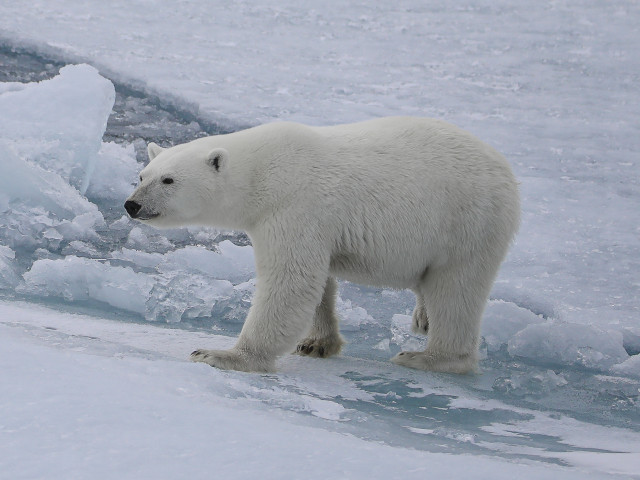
{"x":397,"y":202}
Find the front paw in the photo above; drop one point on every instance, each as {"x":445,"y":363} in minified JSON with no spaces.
{"x":232,"y":360}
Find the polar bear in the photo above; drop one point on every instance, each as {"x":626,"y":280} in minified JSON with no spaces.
{"x":399,"y":202}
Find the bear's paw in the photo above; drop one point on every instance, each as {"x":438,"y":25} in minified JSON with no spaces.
{"x":437,"y":361}
{"x":232,"y":360}
{"x":320,"y":347}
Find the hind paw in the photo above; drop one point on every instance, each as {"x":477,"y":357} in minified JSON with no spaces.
{"x":437,"y":362}
{"x":320,"y":347}
{"x":420,"y":323}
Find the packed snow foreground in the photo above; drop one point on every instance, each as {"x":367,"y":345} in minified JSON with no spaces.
{"x":64,"y":240}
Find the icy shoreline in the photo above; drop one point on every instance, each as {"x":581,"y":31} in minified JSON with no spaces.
{"x":120,"y":400}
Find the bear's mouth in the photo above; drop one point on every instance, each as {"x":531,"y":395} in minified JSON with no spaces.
{"x":147,"y":216}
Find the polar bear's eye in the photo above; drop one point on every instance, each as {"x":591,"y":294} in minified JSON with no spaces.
{"x":167,"y":181}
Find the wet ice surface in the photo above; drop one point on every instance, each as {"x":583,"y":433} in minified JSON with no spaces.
{"x":372,"y":401}
{"x":560,"y":371}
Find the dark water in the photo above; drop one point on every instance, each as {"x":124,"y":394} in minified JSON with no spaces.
{"x":136,"y":117}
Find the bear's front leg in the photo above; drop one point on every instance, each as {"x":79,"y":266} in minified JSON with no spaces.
{"x":289,"y":286}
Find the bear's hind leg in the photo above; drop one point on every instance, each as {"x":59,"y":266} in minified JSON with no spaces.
{"x":455,"y":297}
{"x":324,"y":340}
{"x":420,"y":321}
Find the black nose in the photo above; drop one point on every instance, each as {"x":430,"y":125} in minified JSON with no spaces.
{"x":132,"y":208}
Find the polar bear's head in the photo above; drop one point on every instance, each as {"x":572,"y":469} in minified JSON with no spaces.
{"x":182,"y":185}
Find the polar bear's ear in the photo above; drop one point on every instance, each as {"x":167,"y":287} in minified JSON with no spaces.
{"x":217,"y":158}
{"x":154,"y":150}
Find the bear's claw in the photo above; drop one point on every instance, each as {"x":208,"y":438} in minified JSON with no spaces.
{"x":320,"y":347}
{"x":309,"y":349}
{"x":420,"y":321}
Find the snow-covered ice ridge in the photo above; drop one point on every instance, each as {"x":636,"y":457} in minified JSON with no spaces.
{"x":550,"y":87}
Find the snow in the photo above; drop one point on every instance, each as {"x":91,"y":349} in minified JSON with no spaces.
{"x":8,"y":276}
{"x":503,"y":321}
{"x":231,"y":262}
{"x":548,"y":84}
{"x":569,"y":344}
{"x":110,"y":399}
{"x":113,"y":173}
{"x":630,"y":367}
{"x":80,"y":279}
{"x":61,"y":142}
{"x":178,"y":290}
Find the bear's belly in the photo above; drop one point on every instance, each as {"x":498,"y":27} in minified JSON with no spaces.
{"x":364,"y":271}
